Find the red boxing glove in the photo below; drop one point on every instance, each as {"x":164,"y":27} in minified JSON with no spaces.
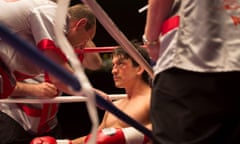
{"x":49,"y":140}
{"x":119,"y":136}
{"x":109,"y":136}
{"x":43,"y":140}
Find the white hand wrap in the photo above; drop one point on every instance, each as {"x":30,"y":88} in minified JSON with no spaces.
{"x":133,"y":136}
{"x":119,"y":136}
{"x":64,"y":141}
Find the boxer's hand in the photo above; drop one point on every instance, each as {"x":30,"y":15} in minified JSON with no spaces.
{"x":44,"y":140}
{"x":108,"y":136}
{"x":127,"y":135}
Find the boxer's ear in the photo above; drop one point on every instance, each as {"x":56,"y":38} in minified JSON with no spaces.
{"x":81,"y":23}
{"x":140,"y":70}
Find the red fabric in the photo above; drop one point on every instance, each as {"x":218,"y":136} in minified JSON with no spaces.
{"x":30,"y":111}
{"x":46,"y":114}
{"x":145,"y":140}
{"x":80,"y":54}
{"x":20,"y":76}
{"x":170,"y":24}
{"x":7,"y":84}
{"x":46,"y":77}
{"x":47,"y":44}
{"x":42,"y":127}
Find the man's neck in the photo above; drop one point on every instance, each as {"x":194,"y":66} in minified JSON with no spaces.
{"x":137,"y":89}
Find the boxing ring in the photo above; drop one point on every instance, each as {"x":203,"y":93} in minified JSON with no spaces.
{"x":78,"y":81}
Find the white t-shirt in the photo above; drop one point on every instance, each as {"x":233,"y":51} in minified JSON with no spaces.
{"x":206,"y":40}
{"x":32,"y":20}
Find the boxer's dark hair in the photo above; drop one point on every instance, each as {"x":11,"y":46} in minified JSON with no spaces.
{"x":121,"y":52}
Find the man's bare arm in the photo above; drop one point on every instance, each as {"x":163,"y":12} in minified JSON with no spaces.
{"x":41,"y":90}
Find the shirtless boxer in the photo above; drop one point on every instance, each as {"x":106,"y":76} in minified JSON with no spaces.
{"x":134,"y":79}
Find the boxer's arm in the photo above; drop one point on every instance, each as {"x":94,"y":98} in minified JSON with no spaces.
{"x":105,"y":136}
{"x":120,"y":136}
{"x":79,"y":140}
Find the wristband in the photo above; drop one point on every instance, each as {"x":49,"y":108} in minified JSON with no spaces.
{"x":147,"y":42}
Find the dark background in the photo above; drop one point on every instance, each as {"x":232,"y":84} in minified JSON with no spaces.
{"x":73,"y":117}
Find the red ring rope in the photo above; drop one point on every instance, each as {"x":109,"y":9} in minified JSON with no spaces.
{"x":106,"y":49}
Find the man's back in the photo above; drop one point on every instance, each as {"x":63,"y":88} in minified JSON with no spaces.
{"x":206,"y":39}
{"x":32,"y":21}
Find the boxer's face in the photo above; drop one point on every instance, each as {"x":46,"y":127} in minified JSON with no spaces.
{"x":124,"y":73}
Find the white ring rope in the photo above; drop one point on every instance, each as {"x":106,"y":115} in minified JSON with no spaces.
{"x":108,"y":24}
{"x":59,"y":99}
{"x":85,"y":89}
{"x":143,"y":9}
{"x":112,"y":29}
{"x":61,"y":15}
